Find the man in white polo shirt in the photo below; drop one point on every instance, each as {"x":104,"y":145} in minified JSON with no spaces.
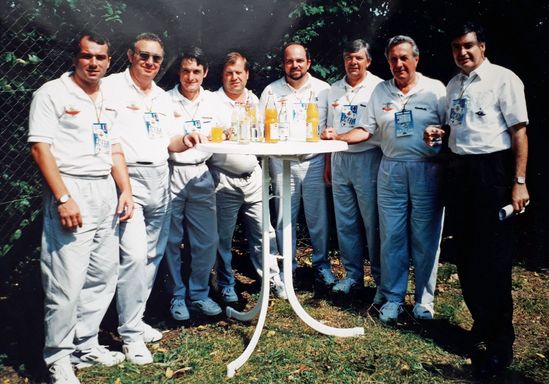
{"x":408,"y":184}
{"x":488,"y":119}
{"x":354,"y":172}
{"x":147,"y":131}
{"x":78,"y":152}
{"x":193,"y":192}
{"x":238,"y":180}
{"x":307,"y":176}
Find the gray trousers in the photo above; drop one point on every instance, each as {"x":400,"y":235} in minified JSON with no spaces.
{"x":79,"y":268}
{"x":354,"y":186}
{"x":193,"y":214}
{"x":142,"y":244}
{"x":235,"y":194}
{"x":307,"y":183}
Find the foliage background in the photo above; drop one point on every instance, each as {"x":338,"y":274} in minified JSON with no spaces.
{"x":36,"y":35}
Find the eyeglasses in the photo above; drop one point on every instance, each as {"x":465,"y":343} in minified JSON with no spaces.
{"x":144,"y":56}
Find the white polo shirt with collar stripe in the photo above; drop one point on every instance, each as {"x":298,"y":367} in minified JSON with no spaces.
{"x":347,"y":105}
{"x":427,"y":103}
{"x":296,"y":102}
{"x":199,"y":115}
{"x":145,"y":121}
{"x":65,"y":117}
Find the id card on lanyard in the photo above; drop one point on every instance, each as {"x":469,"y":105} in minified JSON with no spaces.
{"x":152,"y":124}
{"x":101,"y":142}
{"x":457,"y":111}
{"x":347,"y":118}
{"x":192,"y":126}
{"x":404,"y":123}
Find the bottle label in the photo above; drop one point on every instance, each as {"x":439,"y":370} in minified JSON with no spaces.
{"x":274,"y":131}
{"x":283,"y":131}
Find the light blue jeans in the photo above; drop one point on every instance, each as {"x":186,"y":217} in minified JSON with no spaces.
{"x":307,"y":183}
{"x":354,"y":186}
{"x":410,"y":217}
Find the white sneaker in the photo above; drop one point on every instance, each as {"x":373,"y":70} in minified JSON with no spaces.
{"x":96,"y":355}
{"x":61,"y":372}
{"x":278,"y":288}
{"x":206,"y":307}
{"x":379,"y":298}
{"x":388,"y":314}
{"x":137,"y":353}
{"x":150,"y":334}
{"x":423,"y":311}
{"x":179,"y":310}
{"x":345,"y":286}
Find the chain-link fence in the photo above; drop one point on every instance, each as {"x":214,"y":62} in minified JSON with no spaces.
{"x":36,"y":41}
{"x":30,"y":57}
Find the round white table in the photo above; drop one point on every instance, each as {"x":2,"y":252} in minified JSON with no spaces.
{"x":287,"y":151}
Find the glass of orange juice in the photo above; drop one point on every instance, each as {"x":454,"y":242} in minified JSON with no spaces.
{"x":217,"y":134}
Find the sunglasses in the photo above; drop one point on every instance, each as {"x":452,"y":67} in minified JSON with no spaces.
{"x":144,"y":56}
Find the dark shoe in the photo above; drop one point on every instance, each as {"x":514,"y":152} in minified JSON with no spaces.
{"x":499,"y":361}
{"x":479,"y":361}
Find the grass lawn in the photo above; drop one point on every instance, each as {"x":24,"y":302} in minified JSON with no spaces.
{"x":198,"y":351}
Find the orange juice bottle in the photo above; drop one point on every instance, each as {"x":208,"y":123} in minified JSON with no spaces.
{"x":312,"y":119}
{"x":271,"y":120}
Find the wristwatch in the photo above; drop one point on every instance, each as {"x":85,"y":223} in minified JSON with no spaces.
{"x":63,"y":199}
{"x":520,"y":180}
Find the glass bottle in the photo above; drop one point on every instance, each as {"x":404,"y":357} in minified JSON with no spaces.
{"x":312,"y":119}
{"x":271,"y":120}
{"x":283,"y":122}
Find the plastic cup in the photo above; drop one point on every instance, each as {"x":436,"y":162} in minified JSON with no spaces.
{"x":217,"y":134}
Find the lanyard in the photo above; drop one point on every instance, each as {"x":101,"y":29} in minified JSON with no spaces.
{"x":404,"y":101}
{"x":99,"y":110}
{"x":187,"y":112}
{"x":467,"y":86}
{"x":355,"y":92}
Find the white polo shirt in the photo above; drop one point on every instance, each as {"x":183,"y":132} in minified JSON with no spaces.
{"x":296,"y":102}
{"x":492,"y":101}
{"x":79,"y":131}
{"x":200,"y":114}
{"x":347,"y":104}
{"x":233,"y":164}
{"x":145,"y":121}
{"x":426,"y":102}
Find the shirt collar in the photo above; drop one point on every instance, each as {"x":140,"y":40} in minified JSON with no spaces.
{"x":305,"y":86}
{"x":226,"y":99}
{"x":155,"y":90}
{"x":481,"y":71}
{"x":415,"y":89}
{"x":178,"y":96}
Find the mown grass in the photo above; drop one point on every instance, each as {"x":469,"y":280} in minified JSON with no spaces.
{"x":290,"y":352}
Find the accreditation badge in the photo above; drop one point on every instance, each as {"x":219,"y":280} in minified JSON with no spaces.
{"x":152,"y":123}
{"x":190,"y":126}
{"x":347,"y":118}
{"x":404,"y":123}
{"x":101,"y":142}
{"x":457,"y":111}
